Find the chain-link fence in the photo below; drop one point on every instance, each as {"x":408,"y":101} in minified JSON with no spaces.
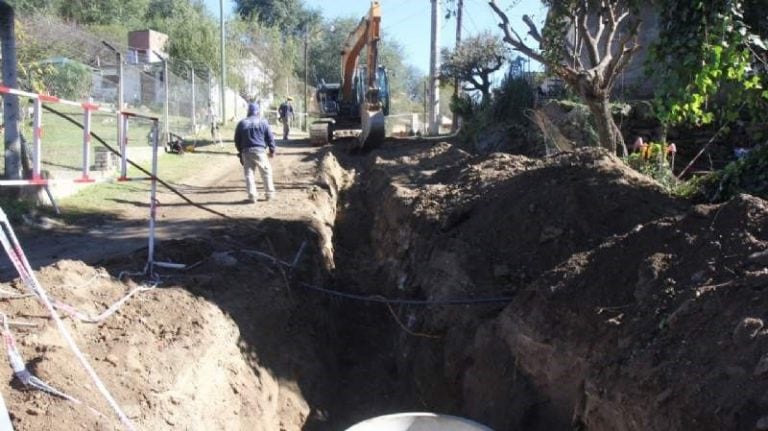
{"x":59,"y":53}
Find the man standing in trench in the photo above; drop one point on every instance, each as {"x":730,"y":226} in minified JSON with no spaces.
{"x":254,"y":140}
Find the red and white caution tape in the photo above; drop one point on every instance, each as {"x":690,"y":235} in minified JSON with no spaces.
{"x":53,"y":99}
{"x":27,"y":378}
{"x":15,"y":253}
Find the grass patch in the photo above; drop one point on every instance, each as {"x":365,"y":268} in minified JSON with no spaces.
{"x":62,"y":150}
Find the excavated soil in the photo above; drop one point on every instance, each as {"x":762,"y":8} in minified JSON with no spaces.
{"x":562,"y":293}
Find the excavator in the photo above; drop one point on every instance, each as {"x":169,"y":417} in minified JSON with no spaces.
{"x":356,"y":106}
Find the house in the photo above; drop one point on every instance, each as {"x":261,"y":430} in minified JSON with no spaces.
{"x":143,"y":83}
{"x":146,"y":46}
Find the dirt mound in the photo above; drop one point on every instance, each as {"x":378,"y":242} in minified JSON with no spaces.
{"x":666,"y":321}
{"x":619,"y":294}
{"x":143,"y":355}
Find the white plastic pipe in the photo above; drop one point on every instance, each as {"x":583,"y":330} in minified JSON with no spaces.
{"x":418,"y":421}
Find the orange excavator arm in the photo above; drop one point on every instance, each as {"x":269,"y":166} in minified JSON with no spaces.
{"x":366,"y":34}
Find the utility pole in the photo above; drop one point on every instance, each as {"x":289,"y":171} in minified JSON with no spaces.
{"x":11,"y":110}
{"x":194,"y":110}
{"x":120,"y":90}
{"x":306,"y":73}
{"x":208,"y":76}
{"x":223,"y":84}
{"x":456,"y":81}
{"x":426,"y":106}
{"x":434,"y":70}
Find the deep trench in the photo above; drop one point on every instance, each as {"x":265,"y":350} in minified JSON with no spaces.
{"x":381,"y":363}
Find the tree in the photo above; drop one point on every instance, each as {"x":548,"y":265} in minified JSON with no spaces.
{"x":101,"y":12}
{"x":325,"y":46}
{"x":250,"y":39}
{"x":290,"y":16}
{"x":474,"y":61}
{"x":11,"y":114}
{"x":192,"y":34}
{"x":587,"y":43}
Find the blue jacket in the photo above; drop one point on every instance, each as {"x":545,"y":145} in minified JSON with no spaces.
{"x":253,"y":134}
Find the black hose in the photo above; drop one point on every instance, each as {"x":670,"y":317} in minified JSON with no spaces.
{"x":381,"y":299}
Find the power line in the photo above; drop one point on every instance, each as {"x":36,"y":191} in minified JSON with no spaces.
{"x":403,"y":21}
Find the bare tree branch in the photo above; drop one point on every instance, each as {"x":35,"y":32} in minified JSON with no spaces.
{"x":513,"y":38}
{"x":532,"y":30}
{"x":583,"y":29}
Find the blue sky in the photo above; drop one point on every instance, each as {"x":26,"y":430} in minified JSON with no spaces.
{"x":408,"y":21}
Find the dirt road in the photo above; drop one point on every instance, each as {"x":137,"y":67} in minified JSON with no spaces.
{"x":219,"y":187}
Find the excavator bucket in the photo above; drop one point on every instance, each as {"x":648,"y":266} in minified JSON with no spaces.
{"x":373,"y":129}
{"x":320,"y":134}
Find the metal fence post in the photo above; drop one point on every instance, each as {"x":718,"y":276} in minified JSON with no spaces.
{"x":37,"y":137}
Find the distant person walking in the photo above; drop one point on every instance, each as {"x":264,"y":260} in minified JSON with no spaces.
{"x":215,"y":132}
{"x":285,"y":112}
{"x":255,"y":144}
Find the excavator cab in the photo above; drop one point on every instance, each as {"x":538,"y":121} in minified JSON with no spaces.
{"x":327,"y":97}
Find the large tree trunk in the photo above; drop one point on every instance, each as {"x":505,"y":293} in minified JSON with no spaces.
{"x":607,"y":130}
{"x":11,"y":114}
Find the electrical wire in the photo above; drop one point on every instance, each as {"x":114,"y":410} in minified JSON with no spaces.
{"x":398,"y":301}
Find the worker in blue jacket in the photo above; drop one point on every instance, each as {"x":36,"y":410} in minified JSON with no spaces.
{"x":255,"y":145}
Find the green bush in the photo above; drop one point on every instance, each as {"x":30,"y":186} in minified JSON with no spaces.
{"x":68,"y":80}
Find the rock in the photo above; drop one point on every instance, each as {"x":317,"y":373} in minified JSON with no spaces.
{"x":33,"y":411}
{"x":747,"y":330}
